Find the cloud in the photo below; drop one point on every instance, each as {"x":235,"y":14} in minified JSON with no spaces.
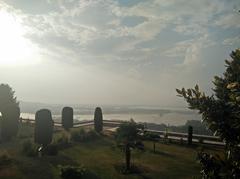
{"x":229,"y":20}
{"x":154,"y":45}
{"x":231,"y":41}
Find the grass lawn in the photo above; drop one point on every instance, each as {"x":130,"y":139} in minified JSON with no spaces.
{"x":102,"y":157}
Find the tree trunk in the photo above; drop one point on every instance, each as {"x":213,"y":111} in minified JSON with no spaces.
{"x":128,"y":156}
{"x":154,"y":147}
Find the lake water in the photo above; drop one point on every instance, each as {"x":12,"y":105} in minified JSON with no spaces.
{"x":171,"y":118}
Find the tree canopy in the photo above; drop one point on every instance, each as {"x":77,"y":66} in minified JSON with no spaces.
{"x":221,"y":112}
{"x":9,"y":108}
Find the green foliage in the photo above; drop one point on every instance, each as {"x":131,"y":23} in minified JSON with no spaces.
{"x":128,"y":133}
{"x":43,"y":127}
{"x":9,"y":107}
{"x":67,"y":118}
{"x":151,"y":136}
{"x":51,"y":149}
{"x":76,"y":172}
{"x":63,"y":139}
{"x":222,"y":114}
{"x":5,"y":158}
{"x":29,"y":148}
{"x":98,"y":120}
{"x":84,"y":136}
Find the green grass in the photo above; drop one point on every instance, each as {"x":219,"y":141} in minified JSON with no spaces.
{"x":103,"y":158}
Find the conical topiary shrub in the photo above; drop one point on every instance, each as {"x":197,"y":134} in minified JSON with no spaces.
{"x":67,"y":118}
{"x":98,"y":120}
{"x":43,"y":127}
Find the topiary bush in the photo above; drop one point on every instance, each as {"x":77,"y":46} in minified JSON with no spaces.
{"x":98,"y":120}
{"x":43,"y":127}
{"x":67,"y":118}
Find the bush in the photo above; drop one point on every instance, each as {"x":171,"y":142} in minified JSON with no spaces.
{"x":5,"y":158}
{"x":76,"y":172}
{"x":29,"y":148}
{"x":51,"y":149}
{"x":83,"y":136}
{"x":92,"y":135}
{"x":43,"y":127}
{"x":67,"y":118}
{"x":63,"y":139}
{"x":98,"y":120}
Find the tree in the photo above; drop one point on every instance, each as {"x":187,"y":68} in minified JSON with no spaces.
{"x":152,"y":137}
{"x":128,"y":134}
{"x":9,"y":107}
{"x":43,"y":127}
{"x":98,"y":120}
{"x":67,"y":118}
{"x":221,"y":112}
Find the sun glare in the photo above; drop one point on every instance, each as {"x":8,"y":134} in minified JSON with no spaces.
{"x":14,"y":48}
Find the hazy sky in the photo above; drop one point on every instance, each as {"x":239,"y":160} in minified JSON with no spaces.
{"x":114,"y":52}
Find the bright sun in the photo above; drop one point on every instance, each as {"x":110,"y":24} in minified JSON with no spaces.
{"x":14,"y":48}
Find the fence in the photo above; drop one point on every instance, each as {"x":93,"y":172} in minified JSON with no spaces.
{"x":177,"y":136}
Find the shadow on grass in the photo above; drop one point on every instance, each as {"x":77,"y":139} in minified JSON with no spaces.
{"x":137,"y":170}
{"x":163,"y":154}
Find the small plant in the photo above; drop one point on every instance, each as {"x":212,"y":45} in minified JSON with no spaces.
{"x":51,"y":149}
{"x":201,"y":140}
{"x":181,"y":141}
{"x":92,"y":135}
{"x":152,"y":137}
{"x":128,"y":133}
{"x":76,"y":172}
{"x":29,"y":148}
{"x":63,"y":139}
{"x":5,"y":158}
{"x":78,"y":135}
{"x":83,"y":136}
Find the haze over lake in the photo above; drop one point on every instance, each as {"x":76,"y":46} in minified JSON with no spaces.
{"x":150,"y":114}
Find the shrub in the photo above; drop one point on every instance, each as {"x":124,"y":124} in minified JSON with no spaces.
{"x":29,"y":148}
{"x":5,"y":158}
{"x":92,"y":135}
{"x":63,"y":139}
{"x":98,"y":120}
{"x":76,"y":172}
{"x":43,"y":127}
{"x":82,"y":136}
{"x":51,"y":149}
{"x":67,"y":118}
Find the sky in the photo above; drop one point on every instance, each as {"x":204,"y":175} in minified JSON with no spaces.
{"x":114,"y":51}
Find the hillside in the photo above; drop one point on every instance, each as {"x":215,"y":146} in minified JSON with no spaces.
{"x":100,"y":156}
